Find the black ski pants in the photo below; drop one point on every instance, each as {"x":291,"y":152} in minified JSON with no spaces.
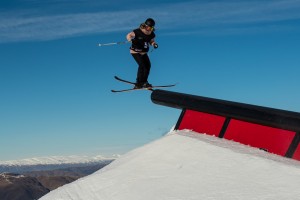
{"x":144,"y":67}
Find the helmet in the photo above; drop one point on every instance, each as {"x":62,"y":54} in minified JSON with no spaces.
{"x":150,"y":22}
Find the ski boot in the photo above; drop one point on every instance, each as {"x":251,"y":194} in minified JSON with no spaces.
{"x":138,"y":86}
{"x":147,"y":85}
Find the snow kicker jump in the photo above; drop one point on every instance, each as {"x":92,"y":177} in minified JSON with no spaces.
{"x":273,"y":130}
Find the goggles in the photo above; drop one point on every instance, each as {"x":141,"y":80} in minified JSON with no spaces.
{"x":149,"y":28}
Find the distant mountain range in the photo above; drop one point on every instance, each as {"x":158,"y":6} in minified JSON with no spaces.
{"x":30,"y":179}
{"x":51,"y":163}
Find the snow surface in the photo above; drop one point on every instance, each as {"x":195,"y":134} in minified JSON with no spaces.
{"x":184,"y":165}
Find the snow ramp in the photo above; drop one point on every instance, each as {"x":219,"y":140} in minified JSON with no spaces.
{"x":185,"y":165}
{"x":272,"y":130}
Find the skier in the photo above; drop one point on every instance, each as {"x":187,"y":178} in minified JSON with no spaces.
{"x":141,"y":38}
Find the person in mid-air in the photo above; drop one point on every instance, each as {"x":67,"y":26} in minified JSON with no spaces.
{"x":141,"y":38}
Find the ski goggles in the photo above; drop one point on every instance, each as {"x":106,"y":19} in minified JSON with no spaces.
{"x":149,"y":28}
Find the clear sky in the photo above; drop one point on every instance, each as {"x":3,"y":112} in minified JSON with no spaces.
{"x":55,"y":81}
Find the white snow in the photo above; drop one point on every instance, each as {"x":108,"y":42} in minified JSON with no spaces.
{"x":184,"y":165}
{"x":51,"y":163}
{"x":6,"y":178}
{"x":54,"y":160}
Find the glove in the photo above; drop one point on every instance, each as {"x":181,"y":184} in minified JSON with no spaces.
{"x":155,"y":46}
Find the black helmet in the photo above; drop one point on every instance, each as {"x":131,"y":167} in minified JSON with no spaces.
{"x":150,"y":22}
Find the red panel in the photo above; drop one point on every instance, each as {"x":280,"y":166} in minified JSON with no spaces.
{"x":202,"y":122}
{"x":297,"y":153}
{"x":272,"y":139}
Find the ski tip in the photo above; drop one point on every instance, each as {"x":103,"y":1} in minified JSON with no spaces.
{"x":118,"y":78}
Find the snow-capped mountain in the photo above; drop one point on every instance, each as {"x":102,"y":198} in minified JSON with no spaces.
{"x":190,"y":166}
{"x":50,"y":163}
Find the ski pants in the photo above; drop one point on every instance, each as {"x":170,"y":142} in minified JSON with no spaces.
{"x":144,"y":67}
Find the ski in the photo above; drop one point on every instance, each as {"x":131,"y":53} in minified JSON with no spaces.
{"x":132,"y":83}
{"x":122,"y":80}
{"x":132,"y":89}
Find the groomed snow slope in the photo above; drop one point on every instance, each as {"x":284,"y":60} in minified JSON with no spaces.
{"x":185,"y":165}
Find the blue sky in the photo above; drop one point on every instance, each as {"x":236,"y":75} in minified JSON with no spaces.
{"x":55,"y":81}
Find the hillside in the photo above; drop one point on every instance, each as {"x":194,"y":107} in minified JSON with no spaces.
{"x":16,"y":187}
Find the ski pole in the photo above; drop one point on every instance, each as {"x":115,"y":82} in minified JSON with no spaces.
{"x":112,"y":43}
